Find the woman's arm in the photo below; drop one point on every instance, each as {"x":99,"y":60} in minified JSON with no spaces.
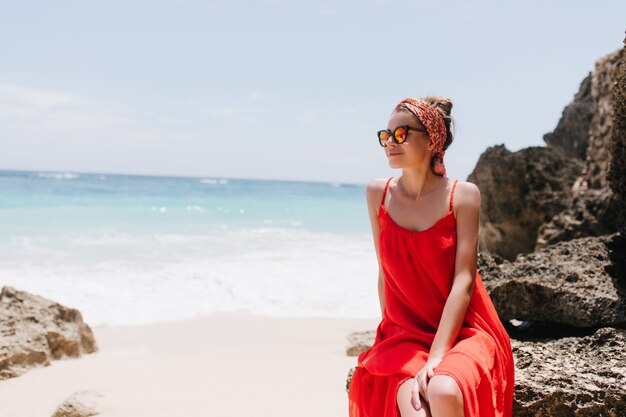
{"x":374,"y":193}
{"x":467,"y":220}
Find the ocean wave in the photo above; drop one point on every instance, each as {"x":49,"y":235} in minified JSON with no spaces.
{"x":122,"y":278}
{"x":214,"y":181}
{"x":58,"y":175}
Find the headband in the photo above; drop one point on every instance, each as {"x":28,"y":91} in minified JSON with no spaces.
{"x":434,"y":124}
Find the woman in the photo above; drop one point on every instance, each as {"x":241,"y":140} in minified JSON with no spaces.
{"x":440,"y":348}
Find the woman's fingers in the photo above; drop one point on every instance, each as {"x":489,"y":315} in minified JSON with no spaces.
{"x":422,"y":383}
{"x":415,"y":395}
{"x":420,"y":386}
{"x":425,"y":376}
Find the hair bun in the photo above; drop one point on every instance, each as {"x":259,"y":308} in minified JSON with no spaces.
{"x":443,"y":104}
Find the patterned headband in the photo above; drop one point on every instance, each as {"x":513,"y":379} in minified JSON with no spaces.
{"x":434,"y":124}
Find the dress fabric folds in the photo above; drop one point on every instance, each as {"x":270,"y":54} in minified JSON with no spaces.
{"x":418,"y":268}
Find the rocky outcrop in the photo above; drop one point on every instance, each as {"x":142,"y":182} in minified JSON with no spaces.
{"x":591,"y":213}
{"x":578,"y":283}
{"x":598,"y":157}
{"x":79,"y":404}
{"x":595,"y":205}
{"x":574,"y":275}
{"x":617,"y":169}
{"x":520,"y":213}
{"x":35,"y":330}
{"x":571,"y":376}
{"x":520,"y":191}
{"x":571,"y":135}
{"x":359,"y":341}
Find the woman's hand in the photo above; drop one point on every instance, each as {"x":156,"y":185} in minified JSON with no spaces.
{"x":421,"y":380}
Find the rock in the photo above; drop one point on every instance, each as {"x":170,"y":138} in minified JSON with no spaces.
{"x":591,"y":213}
{"x":489,"y":265}
{"x":349,"y":378}
{"x":536,"y":196}
{"x":580,"y":283}
{"x":571,"y":134}
{"x":617,"y":168}
{"x":359,"y":342}
{"x":570,"y":376}
{"x":598,"y":156}
{"x":79,"y":404}
{"x":34,"y":330}
{"x":594,"y":209}
{"x":520,"y":191}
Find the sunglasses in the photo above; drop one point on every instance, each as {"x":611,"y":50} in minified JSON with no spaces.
{"x":398,"y":135}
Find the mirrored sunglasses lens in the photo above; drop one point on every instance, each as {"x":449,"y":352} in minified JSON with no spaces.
{"x":400,"y":134}
{"x":382,"y":137}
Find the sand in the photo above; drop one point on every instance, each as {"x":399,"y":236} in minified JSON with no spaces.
{"x":222,"y":365}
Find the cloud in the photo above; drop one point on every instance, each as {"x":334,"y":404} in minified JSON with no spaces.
{"x":24,"y":108}
{"x":235,"y":113}
{"x":327,"y":115}
{"x":38,"y":98}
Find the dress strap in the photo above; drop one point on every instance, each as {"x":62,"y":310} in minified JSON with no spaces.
{"x":382,"y":200}
{"x":452,"y":193}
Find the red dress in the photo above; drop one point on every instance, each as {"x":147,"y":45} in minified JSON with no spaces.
{"x":419,"y":268}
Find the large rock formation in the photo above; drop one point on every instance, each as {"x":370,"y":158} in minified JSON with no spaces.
{"x":598,"y":156}
{"x":576,"y":272}
{"x":617,"y":169}
{"x":592,"y":213}
{"x":543,"y":195}
{"x":520,"y":191}
{"x":571,"y":376}
{"x":595,"y":204}
{"x":34,"y":330}
{"x":576,"y":283}
{"x":571,"y":133}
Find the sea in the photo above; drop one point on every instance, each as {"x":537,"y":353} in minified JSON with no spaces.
{"x":131,"y":249}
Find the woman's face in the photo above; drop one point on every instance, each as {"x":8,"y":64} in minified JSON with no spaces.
{"x":413,"y":152}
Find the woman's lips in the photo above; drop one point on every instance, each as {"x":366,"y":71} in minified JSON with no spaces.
{"x":394,"y":154}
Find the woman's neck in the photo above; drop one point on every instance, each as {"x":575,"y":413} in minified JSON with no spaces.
{"x":415,"y":183}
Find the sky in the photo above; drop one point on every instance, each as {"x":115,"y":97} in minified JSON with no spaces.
{"x":285,"y":90}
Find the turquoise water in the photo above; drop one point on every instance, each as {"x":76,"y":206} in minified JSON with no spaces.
{"x":36,"y":202}
{"x":136,"y":249}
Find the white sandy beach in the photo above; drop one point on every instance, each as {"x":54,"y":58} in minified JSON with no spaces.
{"x":222,"y":365}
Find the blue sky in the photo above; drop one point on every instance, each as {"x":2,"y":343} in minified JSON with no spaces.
{"x":282,"y":89}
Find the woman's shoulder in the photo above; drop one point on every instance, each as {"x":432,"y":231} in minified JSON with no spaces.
{"x":377,"y":184}
{"x":374,"y":190}
{"x":466,"y":195}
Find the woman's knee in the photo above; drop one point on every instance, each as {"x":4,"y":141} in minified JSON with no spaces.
{"x":403,"y":399}
{"x":444,"y":389}
{"x":403,"y":396}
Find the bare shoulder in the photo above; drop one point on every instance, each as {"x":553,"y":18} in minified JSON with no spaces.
{"x":374,"y":190}
{"x":466,"y":196}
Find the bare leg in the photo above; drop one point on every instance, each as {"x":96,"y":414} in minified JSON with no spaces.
{"x":404,"y":401}
{"x":445,"y":397}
